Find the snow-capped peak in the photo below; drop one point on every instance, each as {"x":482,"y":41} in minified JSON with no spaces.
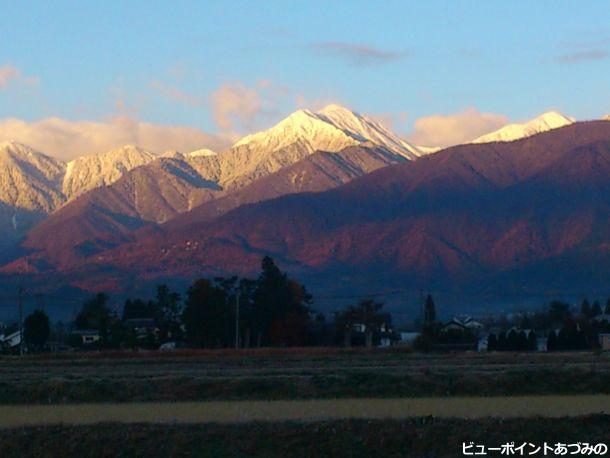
{"x":303,"y":127}
{"x":369,"y":130}
{"x":546,"y":121}
{"x":203,"y":152}
{"x":330,"y":129}
{"x":99,"y":169}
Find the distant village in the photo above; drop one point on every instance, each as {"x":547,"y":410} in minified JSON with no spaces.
{"x":276,"y":311}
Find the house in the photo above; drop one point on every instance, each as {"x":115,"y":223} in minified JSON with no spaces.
{"x":142,"y":327}
{"x":13,"y":340}
{"x":407,"y":338}
{"x":472,"y":324}
{"x":602,"y":317}
{"x":541,"y":344}
{"x":87,"y":336}
{"x":604,"y":341}
{"x":454,"y":325}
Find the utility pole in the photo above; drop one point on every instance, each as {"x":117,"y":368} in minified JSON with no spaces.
{"x":20,"y":321}
{"x":237,"y":320}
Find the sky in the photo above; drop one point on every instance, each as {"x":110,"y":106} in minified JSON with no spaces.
{"x":76,"y":77}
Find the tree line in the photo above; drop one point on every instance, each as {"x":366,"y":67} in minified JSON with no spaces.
{"x":222,"y":312}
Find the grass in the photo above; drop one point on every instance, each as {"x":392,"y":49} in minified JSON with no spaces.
{"x":419,"y":437}
{"x":294,"y":374}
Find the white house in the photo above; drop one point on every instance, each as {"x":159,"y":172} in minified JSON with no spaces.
{"x":12,"y":340}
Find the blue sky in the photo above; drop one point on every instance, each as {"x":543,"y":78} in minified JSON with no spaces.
{"x":231,"y":67}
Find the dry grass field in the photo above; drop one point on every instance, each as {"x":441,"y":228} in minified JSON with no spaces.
{"x":418,"y":437}
{"x":297,"y":402}
{"x":232,"y":412}
{"x":294,"y":374}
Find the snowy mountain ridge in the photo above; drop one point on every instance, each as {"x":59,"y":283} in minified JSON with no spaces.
{"x":545,"y":122}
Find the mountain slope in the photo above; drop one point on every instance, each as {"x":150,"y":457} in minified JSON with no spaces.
{"x":107,"y":216}
{"x":332,"y":129}
{"x":465,"y":217}
{"x":95,"y":170}
{"x":28,"y":188}
{"x":314,"y":173}
{"x":542,"y":123}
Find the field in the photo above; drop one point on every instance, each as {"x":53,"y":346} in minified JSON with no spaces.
{"x":296,"y":402}
{"x":423,"y":437}
{"x":294,"y":374}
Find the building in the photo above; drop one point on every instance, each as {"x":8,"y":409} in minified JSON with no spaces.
{"x":143,"y":327}
{"x":12,"y":341}
{"x":407,"y":338}
{"x":87,"y":336}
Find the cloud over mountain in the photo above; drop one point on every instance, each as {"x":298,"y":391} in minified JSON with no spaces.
{"x":453,"y":129}
{"x":67,"y":139}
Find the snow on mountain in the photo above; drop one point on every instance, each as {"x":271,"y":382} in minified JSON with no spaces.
{"x":29,"y":179}
{"x":89,"y":172}
{"x":203,"y":152}
{"x":331,"y":129}
{"x":510,"y":132}
{"x":367,"y":129}
{"x":606,"y":117}
{"x":29,"y":182}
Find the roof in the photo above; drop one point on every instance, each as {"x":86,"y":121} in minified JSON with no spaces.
{"x":86,"y":332}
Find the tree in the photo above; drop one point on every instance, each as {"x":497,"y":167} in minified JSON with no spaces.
{"x":607,"y":309}
{"x":95,"y":314}
{"x":207,"y":316}
{"x":596,"y":309}
{"x":492,"y":342}
{"x":532,"y":339}
{"x":551,"y":341}
{"x":168,"y":306}
{"x":344,"y":323}
{"x":36,"y":329}
{"x":559,"y":312}
{"x":137,"y":309}
{"x":280,"y":307}
{"x":585,"y":308}
{"x":429,"y":311}
{"x":368,"y":313}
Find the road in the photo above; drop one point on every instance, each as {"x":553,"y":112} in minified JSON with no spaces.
{"x":299,"y":410}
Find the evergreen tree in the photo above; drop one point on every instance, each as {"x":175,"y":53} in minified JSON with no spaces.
{"x":596,"y":309}
{"x":36,"y":329}
{"x":429,"y":311}
{"x":281,"y":307}
{"x":137,"y":308}
{"x":532,"y":340}
{"x":551,"y":341}
{"x":607,"y":309}
{"x":512,"y":340}
{"x":95,"y":314}
{"x":169,"y":310}
{"x":502,"y":342}
{"x":207,"y":316}
{"x":585,"y":308}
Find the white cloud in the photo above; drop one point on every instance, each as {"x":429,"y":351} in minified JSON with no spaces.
{"x":10,"y":74}
{"x":453,"y":129}
{"x":239,"y":108}
{"x":67,"y":139}
{"x":236,"y":106}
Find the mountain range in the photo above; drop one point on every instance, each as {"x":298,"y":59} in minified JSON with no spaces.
{"x":333,"y":196}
